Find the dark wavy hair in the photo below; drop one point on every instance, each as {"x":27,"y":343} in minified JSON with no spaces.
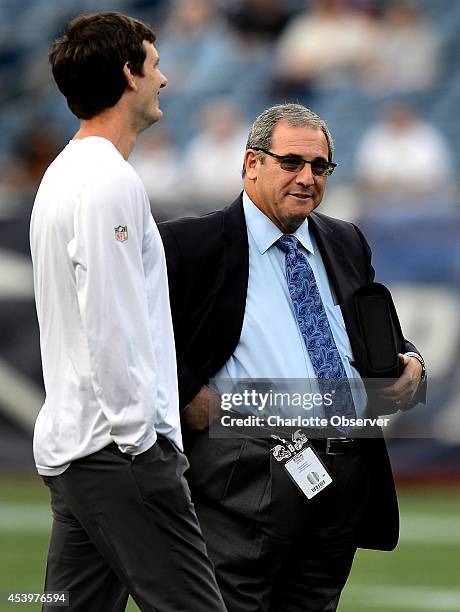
{"x":87,"y":61}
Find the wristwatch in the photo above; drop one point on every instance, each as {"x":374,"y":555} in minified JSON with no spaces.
{"x":419,"y":358}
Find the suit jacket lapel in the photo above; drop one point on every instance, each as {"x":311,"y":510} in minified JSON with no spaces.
{"x":333,"y":255}
{"x":344,"y":278}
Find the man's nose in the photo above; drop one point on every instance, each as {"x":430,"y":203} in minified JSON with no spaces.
{"x":164,"y":80}
{"x":305,"y":176}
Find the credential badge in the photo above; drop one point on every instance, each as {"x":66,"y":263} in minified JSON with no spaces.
{"x":121,"y":233}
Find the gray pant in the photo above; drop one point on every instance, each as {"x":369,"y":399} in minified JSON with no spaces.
{"x":123,"y":527}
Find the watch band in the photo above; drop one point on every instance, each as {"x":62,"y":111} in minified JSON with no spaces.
{"x":419,"y":358}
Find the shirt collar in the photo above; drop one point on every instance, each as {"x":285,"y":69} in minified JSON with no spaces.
{"x":266,"y":233}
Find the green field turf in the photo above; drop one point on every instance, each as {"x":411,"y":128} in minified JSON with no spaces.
{"x":422,"y":575}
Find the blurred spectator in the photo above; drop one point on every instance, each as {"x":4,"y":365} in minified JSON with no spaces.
{"x":371,"y":7}
{"x":402,"y":155}
{"x":21,"y":174}
{"x":406,"y":53}
{"x":193,"y":43}
{"x":198,"y":56}
{"x":259,"y":20}
{"x":214,"y":158}
{"x":157,"y":161}
{"x":40,"y":146}
{"x":324,"y":46}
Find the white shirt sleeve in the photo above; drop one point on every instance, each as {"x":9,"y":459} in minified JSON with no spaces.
{"x":113,"y":307}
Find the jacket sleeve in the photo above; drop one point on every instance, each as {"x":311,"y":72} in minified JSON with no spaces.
{"x":190,"y":381}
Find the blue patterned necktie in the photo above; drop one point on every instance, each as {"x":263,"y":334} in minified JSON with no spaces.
{"x":316,"y":331}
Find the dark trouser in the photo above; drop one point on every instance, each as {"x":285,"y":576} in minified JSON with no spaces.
{"x":273,"y":549}
{"x":129,"y":527}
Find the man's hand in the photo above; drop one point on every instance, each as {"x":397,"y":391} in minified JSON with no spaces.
{"x":203,"y":409}
{"x":404,"y":389}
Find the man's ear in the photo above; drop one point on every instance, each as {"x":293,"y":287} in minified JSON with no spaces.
{"x":130,"y":80}
{"x":251,"y":159}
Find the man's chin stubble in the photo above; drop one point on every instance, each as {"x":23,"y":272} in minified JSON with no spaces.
{"x":289,"y":226}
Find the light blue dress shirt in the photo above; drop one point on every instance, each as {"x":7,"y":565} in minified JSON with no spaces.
{"x":271,"y":345}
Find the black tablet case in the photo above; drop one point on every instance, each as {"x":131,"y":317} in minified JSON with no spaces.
{"x":383,"y":339}
{"x":380,"y":329}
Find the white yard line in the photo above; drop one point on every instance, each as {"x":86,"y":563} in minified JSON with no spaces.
{"x":430,"y":529}
{"x":24,"y":517}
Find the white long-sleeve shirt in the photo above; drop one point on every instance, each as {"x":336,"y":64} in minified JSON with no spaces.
{"x":101,"y":291}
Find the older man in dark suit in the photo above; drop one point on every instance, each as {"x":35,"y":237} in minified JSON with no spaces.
{"x":264,"y":290}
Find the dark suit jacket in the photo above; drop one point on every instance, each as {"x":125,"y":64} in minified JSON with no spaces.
{"x":208,"y":270}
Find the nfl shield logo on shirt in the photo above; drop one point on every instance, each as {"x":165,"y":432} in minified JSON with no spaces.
{"x":121,"y":233}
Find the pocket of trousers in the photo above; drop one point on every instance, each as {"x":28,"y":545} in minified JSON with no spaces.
{"x":159,"y":475}
{"x":250,"y":473}
{"x":145,"y":454}
{"x":212,"y":463}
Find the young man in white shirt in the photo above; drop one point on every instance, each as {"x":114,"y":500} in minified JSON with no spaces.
{"x":107,"y":440}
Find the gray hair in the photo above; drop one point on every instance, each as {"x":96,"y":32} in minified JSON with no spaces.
{"x":295,"y":115}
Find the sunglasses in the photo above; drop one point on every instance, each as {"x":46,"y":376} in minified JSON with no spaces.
{"x":293,"y":163}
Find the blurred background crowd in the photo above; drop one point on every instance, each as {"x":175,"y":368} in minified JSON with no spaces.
{"x":385,"y":74}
